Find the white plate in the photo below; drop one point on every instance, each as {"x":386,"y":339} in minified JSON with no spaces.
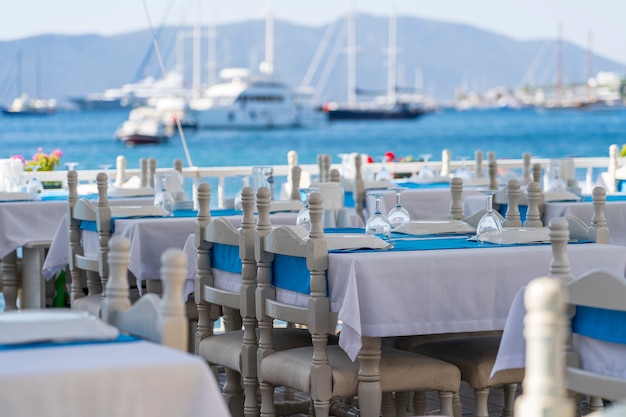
{"x":137,"y":211}
{"x":352,"y":241}
{"x":427,"y":227}
{"x":560,"y":196}
{"x":57,"y":325}
{"x":16,"y":196}
{"x":513,"y":235}
{"x":130,"y":192}
{"x":286,"y":205}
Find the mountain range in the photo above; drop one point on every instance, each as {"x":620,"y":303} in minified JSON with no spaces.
{"x":436,"y":57}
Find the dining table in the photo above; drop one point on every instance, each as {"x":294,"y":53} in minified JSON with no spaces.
{"x":113,"y":378}
{"x":32,"y":221}
{"x":421,"y":200}
{"x":437,"y":286}
{"x":149,"y":237}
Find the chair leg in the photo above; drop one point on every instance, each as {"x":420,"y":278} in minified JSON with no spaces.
{"x":595,"y":403}
{"x":445,"y":403}
{"x":322,"y":408}
{"x":387,"y":406}
{"x":233,"y":392}
{"x":419,"y":403}
{"x":267,"y":400}
{"x":480,"y":407}
{"x":509,"y":399}
{"x":456,"y":405}
{"x":402,"y":403}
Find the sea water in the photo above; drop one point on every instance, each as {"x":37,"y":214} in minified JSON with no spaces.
{"x":88,"y":137}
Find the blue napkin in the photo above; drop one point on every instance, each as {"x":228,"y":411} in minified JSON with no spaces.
{"x":122,"y":338}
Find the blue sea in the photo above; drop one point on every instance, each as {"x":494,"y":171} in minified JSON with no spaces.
{"x":88,"y":138}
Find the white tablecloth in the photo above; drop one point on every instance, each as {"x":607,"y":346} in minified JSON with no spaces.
{"x":107,"y":380}
{"x":615,"y":213}
{"x":397,"y":293}
{"x":28,"y":221}
{"x":598,"y":356}
{"x":421,"y":203}
{"x":149,"y":238}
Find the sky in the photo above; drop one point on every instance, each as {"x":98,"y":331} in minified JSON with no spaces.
{"x":595,"y":23}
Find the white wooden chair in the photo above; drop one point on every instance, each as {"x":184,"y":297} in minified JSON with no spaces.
{"x":95,"y":269}
{"x":228,"y":292}
{"x":551,"y":369}
{"x":323,"y":371}
{"x":151,"y":317}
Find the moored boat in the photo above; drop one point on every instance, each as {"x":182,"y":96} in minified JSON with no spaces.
{"x":25,"y":105}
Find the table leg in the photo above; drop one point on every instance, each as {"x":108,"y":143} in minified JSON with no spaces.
{"x":370,"y":389}
{"x":33,"y":283}
{"x":9,"y":280}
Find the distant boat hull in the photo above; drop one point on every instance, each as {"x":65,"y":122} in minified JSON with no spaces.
{"x":39,"y":112}
{"x":141,"y":139}
{"x":397,"y":112}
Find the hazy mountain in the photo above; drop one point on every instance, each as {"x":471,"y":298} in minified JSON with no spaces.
{"x":448,"y":56}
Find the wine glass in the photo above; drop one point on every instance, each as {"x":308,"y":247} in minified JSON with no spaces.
{"x":489,"y":227}
{"x":34,"y":186}
{"x":377,"y":224}
{"x":163,"y":198}
{"x":426,"y":172}
{"x":398,"y":215}
{"x":384,"y":174}
{"x":245,"y":182}
{"x":557,"y":184}
{"x":105,"y":169}
{"x":304,"y":216}
{"x":71,"y":166}
{"x":463,"y":172}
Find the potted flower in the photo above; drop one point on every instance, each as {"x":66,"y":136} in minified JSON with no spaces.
{"x":42,"y":161}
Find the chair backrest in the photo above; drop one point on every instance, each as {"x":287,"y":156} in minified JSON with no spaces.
{"x":83,"y":210}
{"x":597,"y":230}
{"x":283,"y":244}
{"x":223,"y":249}
{"x":159,"y":319}
{"x":456,"y":202}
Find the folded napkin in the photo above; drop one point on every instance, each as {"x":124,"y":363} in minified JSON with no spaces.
{"x":428,"y":227}
{"x":560,"y":196}
{"x":516,"y":236}
{"x":416,"y":179}
{"x":52,"y":325}
{"x":117,"y":192}
{"x":286,"y":205}
{"x":16,"y":196}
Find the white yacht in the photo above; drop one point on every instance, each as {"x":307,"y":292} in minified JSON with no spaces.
{"x":246,"y":100}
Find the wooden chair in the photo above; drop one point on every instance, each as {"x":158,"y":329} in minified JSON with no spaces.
{"x":323,"y":371}
{"x":226,"y":290}
{"x":151,"y":317}
{"x":95,"y":269}
{"x":553,"y":308}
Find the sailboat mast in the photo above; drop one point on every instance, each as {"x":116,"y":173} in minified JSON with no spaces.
{"x":212,"y":51}
{"x":351,"y":59}
{"x":589,"y":67}
{"x":195,"y":75}
{"x":559,"y":62}
{"x":392,"y":59}
{"x":267,"y":67}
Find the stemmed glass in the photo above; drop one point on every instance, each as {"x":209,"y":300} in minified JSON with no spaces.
{"x":398,"y":215}
{"x":557,"y":184}
{"x":163,"y":198}
{"x":245,"y":182}
{"x":34,"y":186}
{"x":463,"y":172}
{"x":426,"y":171}
{"x":377,"y":224}
{"x":105,"y":169}
{"x":71,"y":166}
{"x":383,"y":174}
{"x":304,"y":216}
{"x":489,"y":227}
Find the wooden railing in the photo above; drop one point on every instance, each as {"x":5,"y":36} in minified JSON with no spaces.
{"x":587,"y":171}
